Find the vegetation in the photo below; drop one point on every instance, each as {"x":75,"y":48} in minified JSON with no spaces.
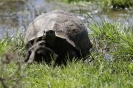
{"x":114,"y":38}
{"x":112,"y":67}
{"x":109,"y":39}
{"x":7,"y":43}
{"x":116,"y":4}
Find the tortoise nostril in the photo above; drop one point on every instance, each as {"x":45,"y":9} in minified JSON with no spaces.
{"x":51,"y":32}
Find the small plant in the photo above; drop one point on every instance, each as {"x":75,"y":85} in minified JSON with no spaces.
{"x":118,"y":4}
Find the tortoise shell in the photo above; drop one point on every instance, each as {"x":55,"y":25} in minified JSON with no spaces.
{"x":63,"y":25}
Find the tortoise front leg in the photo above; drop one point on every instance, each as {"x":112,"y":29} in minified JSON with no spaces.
{"x":30,"y":55}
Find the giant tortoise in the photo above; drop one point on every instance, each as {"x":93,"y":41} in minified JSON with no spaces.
{"x":56,"y":34}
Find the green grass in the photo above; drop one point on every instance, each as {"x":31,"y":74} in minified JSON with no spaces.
{"x":100,"y":74}
{"x":118,"y":4}
{"x":106,"y":4}
{"x":11,"y":43}
{"x":78,"y":75}
{"x":113,"y":38}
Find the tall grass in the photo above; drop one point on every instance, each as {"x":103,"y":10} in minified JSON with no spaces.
{"x":15,"y":42}
{"x":114,"y":38}
{"x":100,"y":74}
{"x":79,"y":75}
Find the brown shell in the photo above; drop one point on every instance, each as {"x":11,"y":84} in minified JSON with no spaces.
{"x":65,"y":25}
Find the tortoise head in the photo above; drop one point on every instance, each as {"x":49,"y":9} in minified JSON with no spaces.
{"x":50,"y":38}
{"x":50,"y":34}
